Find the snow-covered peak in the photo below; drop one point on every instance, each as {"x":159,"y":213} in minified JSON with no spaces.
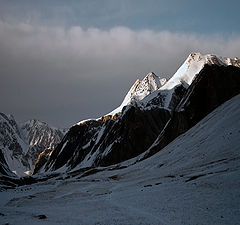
{"x":184,"y":75}
{"x":143,"y":91}
{"x":140,"y":89}
{"x":193,"y":65}
{"x":37,"y":132}
{"x":33,"y":123}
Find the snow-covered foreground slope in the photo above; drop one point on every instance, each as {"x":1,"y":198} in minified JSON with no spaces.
{"x":193,"y":180}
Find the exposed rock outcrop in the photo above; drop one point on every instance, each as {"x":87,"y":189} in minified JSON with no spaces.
{"x":213,"y":86}
{"x":103,"y":143}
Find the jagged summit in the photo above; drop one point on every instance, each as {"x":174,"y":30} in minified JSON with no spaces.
{"x":194,"y":64}
{"x":140,"y":89}
{"x":34,"y":122}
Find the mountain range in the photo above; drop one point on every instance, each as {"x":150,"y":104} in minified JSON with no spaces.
{"x":153,"y":111}
{"x":169,"y":154}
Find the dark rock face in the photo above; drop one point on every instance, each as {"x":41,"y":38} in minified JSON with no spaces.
{"x":9,"y":140}
{"x":132,"y":134}
{"x":115,"y":138}
{"x":77,"y":143}
{"x":109,"y":141}
{"x":4,"y":169}
{"x":213,"y":86}
{"x":42,"y":159}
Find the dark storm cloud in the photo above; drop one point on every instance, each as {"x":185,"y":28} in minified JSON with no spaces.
{"x":65,"y":75}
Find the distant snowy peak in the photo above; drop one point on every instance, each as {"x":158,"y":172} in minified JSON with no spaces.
{"x":33,"y":123}
{"x":21,"y":143}
{"x":193,"y":65}
{"x":141,"y":89}
{"x":39,"y":133}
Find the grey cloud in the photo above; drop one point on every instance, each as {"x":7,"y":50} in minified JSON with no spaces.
{"x":62,"y":75}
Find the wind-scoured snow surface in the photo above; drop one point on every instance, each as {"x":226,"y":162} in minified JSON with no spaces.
{"x":194,"y":180}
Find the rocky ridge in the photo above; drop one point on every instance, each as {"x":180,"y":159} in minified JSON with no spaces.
{"x":146,"y":112}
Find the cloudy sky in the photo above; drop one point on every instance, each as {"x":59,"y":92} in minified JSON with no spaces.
{"x":64,"y":61}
